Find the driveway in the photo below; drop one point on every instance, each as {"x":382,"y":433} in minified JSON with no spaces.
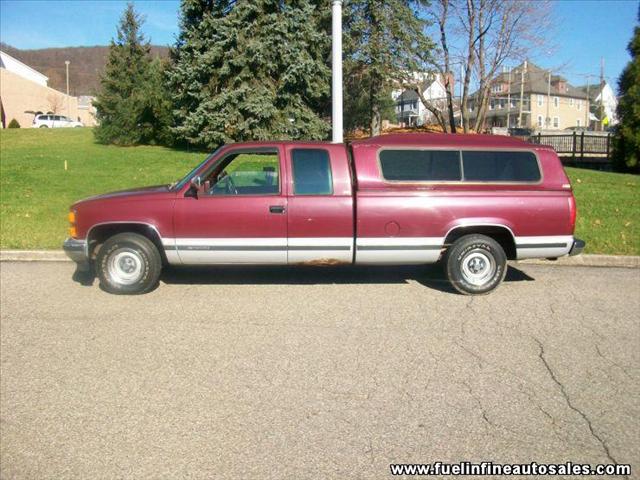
{"x":281,"y":373}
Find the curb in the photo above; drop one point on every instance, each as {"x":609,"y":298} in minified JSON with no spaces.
{"x":577,"y":261}
{"x":33,"y":256}
{"x":588,"y":261}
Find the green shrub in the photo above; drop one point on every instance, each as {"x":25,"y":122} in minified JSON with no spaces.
{"x":13,"y":124}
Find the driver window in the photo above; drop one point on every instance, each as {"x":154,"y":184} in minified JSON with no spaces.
{"x":247,"y":173}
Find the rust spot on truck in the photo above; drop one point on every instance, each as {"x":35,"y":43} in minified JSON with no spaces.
{"x":324,"y":262}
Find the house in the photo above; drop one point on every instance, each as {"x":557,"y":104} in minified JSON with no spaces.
{"x":531,"y":97}
{"x":24,"y":93}
{"x":410,"y":111}
{"x":605,"y":94}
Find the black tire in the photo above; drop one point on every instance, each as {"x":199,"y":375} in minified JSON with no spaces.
{"x":475,"y":264}
{"x":43,"y":126}
{"x":128,"y":264}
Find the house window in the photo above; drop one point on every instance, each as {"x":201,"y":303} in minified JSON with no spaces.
{"x":579,"y":104}
{"x":539,"y":120}
{"x":579,"y":123}
{"x":492,"y":104}
{"x":556,"y":102}
{"x":540,"y":100}
{"x":556,"y":122}
{"x":513,"y":103}
{"x":571,"y":102}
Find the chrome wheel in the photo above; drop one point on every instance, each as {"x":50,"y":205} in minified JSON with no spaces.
{"x":478,"y":267}
{"x":125,"y":266}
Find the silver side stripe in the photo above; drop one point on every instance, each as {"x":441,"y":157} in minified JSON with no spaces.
{"x":547,"y":246}
{"x":399,"y":247}
{"x":541,"y":245}
{"x":370,"y":250}
{"x":398,"y":250}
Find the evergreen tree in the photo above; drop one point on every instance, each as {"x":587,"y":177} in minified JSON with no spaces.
{"x":250,"y":70}
{"x":627,"y":138}
{"x":131,"y":106}
{"x":384,"y":41}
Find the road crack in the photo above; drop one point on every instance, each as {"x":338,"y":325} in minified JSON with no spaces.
{"x":567,"y":399}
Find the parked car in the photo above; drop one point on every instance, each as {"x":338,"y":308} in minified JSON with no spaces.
{"x":577,"y":129}
{"x":520,"y":132}
{"x":470,"y":201}
{"x":54,"y":121}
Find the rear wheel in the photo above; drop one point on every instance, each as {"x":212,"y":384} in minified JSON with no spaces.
{"x":43,"y":126}
{"x":475,"y":264}
{"x":128,"y":264}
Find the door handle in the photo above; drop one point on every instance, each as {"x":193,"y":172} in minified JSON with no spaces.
{"x":276,"y":208}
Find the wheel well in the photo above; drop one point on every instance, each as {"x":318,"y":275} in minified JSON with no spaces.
{"x":502,"y":235}
{"x":98,"y":235}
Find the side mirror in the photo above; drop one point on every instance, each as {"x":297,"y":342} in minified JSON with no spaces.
{"x":197,"y":182}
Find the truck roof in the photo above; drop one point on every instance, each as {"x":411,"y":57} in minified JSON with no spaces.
{"x":443,"y":140}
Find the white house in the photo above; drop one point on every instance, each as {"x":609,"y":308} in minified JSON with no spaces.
{"x":409,"y":108}
{"x":609,"y":103}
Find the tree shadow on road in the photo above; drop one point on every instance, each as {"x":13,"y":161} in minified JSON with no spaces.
{"x":431,"y":276}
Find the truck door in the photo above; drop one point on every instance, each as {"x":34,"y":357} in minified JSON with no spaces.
{"x":240,"y":216}
{"x":320,"y":205}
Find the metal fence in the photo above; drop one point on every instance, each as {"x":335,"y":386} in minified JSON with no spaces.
{"x":585,"y":148}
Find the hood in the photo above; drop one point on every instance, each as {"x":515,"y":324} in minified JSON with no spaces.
{"x":123,"y":194}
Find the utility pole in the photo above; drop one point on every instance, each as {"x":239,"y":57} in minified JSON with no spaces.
{"x":601,"y":91}
{"x":548,"y":119}
{"x":586,"y":113}
{"x":509,"y":98}
{"x":523,"y":70}
{"x":336,"y":68}
{"x":66,"y":63}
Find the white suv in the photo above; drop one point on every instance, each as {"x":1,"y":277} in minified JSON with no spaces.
{"x":54,"y":121}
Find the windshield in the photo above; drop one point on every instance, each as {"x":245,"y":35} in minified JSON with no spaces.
{"x":177,"y":185}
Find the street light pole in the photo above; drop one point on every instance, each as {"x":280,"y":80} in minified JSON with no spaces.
{"x":336,"y":69}
{"x":66,"y":63}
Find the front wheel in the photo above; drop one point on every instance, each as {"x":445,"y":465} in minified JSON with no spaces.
{"x":475,"y":264}
{"x":128,"y":264}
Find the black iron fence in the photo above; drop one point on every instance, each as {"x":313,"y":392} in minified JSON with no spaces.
{"x":578,"y":147}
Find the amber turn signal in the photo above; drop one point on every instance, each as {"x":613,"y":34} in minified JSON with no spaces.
{"x":72,"y":217}
{"x":73,"y":232}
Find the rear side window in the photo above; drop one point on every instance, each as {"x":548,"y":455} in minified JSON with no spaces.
{"x":420,"y":165}
{"x":490,"y":166}
{"x":311,"y":172}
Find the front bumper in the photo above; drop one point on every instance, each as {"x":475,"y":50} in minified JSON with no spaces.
{"x":577,"y":247}
{"x":76,"y":250}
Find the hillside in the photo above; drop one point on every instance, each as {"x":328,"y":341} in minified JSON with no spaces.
{"x":84,"y":69}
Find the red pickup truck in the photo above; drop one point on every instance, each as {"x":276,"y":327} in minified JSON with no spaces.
{"x":471,"y":201}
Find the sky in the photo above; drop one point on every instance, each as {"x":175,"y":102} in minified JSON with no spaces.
{"x":585,"y":30}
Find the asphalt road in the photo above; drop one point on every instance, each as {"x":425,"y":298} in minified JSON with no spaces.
{"x":279,"y":373}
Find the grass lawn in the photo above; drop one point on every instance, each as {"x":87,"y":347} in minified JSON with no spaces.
{"x":36,"y":191}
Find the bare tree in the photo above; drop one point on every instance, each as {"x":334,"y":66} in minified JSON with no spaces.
{"x":509,"y":31}
{"x":55,"y":102}
{"x":487,"y":33}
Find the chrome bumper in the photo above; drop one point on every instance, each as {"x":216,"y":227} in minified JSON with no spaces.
{"x":577,"y":247}
{"x":76,"y":250}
